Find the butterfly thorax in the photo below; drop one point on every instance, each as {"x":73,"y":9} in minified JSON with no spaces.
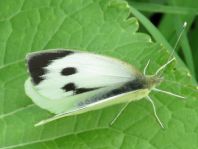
{"x":152,"y":80}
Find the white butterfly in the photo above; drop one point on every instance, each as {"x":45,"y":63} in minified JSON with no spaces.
{"x":68,"y":82}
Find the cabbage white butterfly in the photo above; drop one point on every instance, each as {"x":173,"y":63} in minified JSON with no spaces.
{"x":68,"y":82}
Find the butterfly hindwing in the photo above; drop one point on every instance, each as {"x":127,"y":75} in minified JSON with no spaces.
{"x":90,"y":99}
{"x":121,"y":98}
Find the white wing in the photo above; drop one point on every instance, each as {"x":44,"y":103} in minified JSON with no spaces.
{"x":66,"y":73}
{"x":65,"y":81}
{"x":121,"y":98}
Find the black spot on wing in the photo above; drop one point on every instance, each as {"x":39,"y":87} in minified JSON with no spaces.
{"x":69,"y":87}
{"x":37,"y":62}
{"x":127,"y":87}
{"x":83,"y":90}
{"x":68,"y":71}
{"x":72,"y":87}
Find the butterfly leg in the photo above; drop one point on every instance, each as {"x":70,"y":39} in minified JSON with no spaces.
{"x":168,"y":93}
{"x":154,"y":110}
{"x":120,"y":112}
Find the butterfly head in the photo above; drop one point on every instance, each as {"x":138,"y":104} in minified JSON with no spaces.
{"x":153,"y":80}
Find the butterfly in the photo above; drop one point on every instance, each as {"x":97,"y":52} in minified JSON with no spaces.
{"x":69,"y":82}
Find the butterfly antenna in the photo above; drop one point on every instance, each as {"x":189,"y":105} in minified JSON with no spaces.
{"x":155,"y":113}
{"x":170,"y":59}
{"x":168,"y":93}
{"x":145,"y":68}
{"x":164,"y":66}
{"x":120,"y":112}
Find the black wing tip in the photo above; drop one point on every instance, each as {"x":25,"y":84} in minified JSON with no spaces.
{"x":48,"y":51}
{"x":37,"y":61}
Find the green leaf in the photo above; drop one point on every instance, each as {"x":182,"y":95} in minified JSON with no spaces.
{"x":99,"y":26}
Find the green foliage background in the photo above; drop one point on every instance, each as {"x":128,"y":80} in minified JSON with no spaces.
{"x":107,"y":27}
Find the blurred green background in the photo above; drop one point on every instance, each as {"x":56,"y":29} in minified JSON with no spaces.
{"x":106,"y":27}
{"x":168,"y":16}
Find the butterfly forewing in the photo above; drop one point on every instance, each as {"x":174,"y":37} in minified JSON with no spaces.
{"x":64,"y":73}
{"x":65,"y":80}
